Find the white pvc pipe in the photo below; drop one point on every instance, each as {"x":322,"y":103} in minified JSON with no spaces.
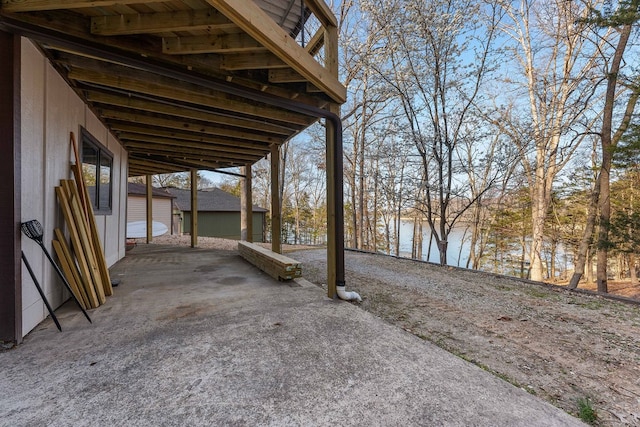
{"x":348,"y":296}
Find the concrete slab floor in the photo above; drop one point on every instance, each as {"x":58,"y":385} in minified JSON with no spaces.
{"x":201,"y":338}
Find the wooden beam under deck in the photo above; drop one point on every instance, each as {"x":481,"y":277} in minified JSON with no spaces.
{"x":161,"y":166}
{"x":177,"y":150}
{"x":223,"y":44}
{"x":139,"y":167}
{"x":182,"y":125}
{"x":186,"y":112}
{"x":183,"y":163}
{"x":209,"y":20}
{"x":255,"y":22}
{"x":286,"y":75}
{"x":34,"y":5}
{"x":252,"y":61}
{"x":186,"y":93}
{"x":158,"y":135}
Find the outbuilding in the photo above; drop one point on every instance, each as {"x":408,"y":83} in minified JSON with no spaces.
{"x":218,"y":214}
{"x":161,"y":208}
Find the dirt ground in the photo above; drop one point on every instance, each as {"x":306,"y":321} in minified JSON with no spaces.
{"x":559,"y":345}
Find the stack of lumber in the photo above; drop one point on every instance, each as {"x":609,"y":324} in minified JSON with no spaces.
{"x":275,"y":265}
{"x":83,"y":261}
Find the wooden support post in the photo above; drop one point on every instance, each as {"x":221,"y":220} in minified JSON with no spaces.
{"x":331,"y":64}
{"x":149,"y":209}
{"x":246,"y":206}
{"x":10,"y":267}
{"x":331,"y":208}
{"x":276,"y":214}
{"x":194,"y":208}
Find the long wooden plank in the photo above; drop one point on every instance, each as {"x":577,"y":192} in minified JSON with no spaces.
{"x":89,"y":214}
{"x":85,"y":239}
{"x":83,"y":264}
{"x":66,"y":269}
{"x":276,"y":265}
{"x":93,"y":234}
{"x":282,"y":259}
{"x":78,"y":173}
{"x":270,"y":260}
{"x":73,"y":267}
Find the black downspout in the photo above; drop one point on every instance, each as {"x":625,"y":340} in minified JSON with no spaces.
{"x":339,"y":206}
{"x":55,"y":38}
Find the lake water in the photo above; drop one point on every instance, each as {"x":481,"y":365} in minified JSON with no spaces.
{"x":457,"y":251}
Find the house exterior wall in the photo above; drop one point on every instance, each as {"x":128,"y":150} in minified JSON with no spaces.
{"x":161,"y":210}
{"x":50,"y":111}
{"x":224,"y":224}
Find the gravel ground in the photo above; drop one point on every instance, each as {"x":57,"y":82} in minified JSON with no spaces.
{"x":563,"y":347}
{"x":560,"y":346}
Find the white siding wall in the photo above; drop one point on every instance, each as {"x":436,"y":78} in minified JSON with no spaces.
{"x":50,"y":111}
{"x":161,"y":210}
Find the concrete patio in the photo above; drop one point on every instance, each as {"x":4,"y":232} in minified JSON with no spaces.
{"x":200,"y":337}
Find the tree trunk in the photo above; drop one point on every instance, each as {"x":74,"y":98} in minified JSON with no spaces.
{"x":442,"y":247}
{"x":414,"y":238}
{"x":538,"y":216}
{"x":587,"y":236}
{"x":604,"y":206}
{"x":523,"y":254}
{"x":608,"y":144}
{"x":420,"y":238}
{"x":475,"y":230}
{"x":464,"y":235}
{"x":621,"y":271}
{"x":552,"y":268}
{"x":633,"y":274}
{"x":387,"y":236}
{"x":375,"y":207}
{"x":589,"y":266}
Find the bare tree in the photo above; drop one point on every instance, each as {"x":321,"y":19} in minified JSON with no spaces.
{"x":622,"y":21}
{"x":436,"y":57}
{"x":556,"y":67}
{"x":366,"y":108}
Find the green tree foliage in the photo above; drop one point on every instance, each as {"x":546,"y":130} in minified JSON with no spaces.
{"x":625,"y":220}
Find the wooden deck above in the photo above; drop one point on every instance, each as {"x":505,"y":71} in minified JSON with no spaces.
{"x":144,"y":67}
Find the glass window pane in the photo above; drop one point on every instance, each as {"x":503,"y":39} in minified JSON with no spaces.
{"x":89,"y":169}
{"x":105,"y":183}
{"x":97,"y":169}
